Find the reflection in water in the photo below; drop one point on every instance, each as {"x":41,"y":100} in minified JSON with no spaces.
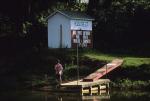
{"x":131,"y":96}
{"x":95,"y":96}
{"x":48,"y":96}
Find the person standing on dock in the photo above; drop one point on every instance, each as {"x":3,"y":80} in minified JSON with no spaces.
{"x":59,"y":71}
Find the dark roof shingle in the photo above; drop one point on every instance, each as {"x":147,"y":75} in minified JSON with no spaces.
{"x":74,"y":15}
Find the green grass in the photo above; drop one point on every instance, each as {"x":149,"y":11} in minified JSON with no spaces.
{"x":135,"y":61}
{"x":129,"y":61}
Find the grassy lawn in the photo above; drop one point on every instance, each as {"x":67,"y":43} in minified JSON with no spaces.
{"x":129,"y":61}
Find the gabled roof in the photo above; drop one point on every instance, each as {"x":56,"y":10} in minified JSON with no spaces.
{"x":73,"y":15}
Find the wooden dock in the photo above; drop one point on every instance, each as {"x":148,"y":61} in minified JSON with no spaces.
{"x":93,"y":83}
{"x":98,"y":87}
{"x":90,"y":84}
{"x":103,"y":70}
{"x":87,"y":87}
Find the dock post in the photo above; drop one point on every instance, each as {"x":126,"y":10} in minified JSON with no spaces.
{"x":99,"y":89}
{"x":107,"y":85}
{"x":90,"y":90}
{"x":81,"y":91}
{"x":107,"y":88}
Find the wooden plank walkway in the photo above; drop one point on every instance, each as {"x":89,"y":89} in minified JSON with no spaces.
{"x":103,"y":70}
{"x":85,"y":84}
{"x":86,"y":87}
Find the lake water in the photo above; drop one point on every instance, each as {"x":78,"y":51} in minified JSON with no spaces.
{"x":48,"y":96}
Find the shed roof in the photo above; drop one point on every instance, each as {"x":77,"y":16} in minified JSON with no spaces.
{"x":73,"y":15}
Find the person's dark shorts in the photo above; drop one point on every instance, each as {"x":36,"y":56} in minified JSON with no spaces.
{"x":58,"y":77}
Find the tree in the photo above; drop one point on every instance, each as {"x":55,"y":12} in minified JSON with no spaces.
{"x":120,"y":23}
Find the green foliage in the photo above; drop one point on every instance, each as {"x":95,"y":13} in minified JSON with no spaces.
{"x":121,"y":25}
{"x":26,"y":26}
{"x":6,"y":26}
{"x":127,"y":84}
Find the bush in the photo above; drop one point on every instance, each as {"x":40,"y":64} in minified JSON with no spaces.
{"x":127,"y":84}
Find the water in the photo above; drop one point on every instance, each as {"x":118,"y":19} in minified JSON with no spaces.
{"x":48,"y":96}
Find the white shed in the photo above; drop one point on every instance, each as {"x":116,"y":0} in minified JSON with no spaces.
{"x":67,"y":28}
{"x":83,"y":1}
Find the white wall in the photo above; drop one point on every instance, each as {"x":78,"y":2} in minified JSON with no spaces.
{"x":83,"y":1}
{"x":54,"y":23}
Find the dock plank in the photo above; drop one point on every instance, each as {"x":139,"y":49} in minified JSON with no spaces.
{"x":103,"y":70}
{"x":85,"y":84}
